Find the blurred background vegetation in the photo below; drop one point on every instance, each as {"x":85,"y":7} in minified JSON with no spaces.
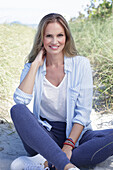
{"x":93,"y":37}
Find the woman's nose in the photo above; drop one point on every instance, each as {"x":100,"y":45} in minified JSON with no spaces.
{"x":54,"y":40}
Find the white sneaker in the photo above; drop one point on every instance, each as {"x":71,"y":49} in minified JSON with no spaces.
{"x":74,"y":168}
{"x":28,"y":163}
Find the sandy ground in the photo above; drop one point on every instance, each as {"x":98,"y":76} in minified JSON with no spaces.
{"x":11,"y":146}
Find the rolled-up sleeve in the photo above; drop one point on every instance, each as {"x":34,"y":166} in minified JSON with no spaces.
{"x":83,"y":105}
{"x":19,"y":96}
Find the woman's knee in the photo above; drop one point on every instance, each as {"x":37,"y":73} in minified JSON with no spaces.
{"x":17,"y":110}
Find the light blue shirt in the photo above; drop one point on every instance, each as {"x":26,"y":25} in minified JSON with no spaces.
{"x":79,"y":92}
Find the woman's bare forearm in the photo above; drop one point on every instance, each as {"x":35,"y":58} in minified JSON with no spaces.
{"x":28,"y":83}
{"x":76,"y":131}
{"x":74,"y":135}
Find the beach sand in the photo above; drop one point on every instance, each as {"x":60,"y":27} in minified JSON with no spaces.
{"x":11,"y":146}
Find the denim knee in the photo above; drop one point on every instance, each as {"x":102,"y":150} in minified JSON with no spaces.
{"x":16,"y":110}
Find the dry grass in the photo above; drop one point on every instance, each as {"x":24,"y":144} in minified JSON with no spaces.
{"x":15,"y":44}
{"x":93,"y":39}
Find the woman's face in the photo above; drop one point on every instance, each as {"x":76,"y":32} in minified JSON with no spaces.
{"x":54,"y":38}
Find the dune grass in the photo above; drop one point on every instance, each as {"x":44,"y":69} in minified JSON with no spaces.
{"x":15,"y":44}
{"x":93,"y":39}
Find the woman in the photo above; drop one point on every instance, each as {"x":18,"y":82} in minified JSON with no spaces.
{"x":61,"y":82}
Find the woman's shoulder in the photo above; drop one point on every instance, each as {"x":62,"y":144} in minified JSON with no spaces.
{"x":79,"y":58}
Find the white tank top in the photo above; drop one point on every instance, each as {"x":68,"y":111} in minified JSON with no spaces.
{"x":53,"y":103}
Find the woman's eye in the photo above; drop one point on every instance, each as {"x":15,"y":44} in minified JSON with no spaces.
{"x":60,"y":35}
{"x":48,"y":35}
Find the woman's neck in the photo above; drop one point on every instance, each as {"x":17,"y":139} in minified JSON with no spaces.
{"x":54,"y":60}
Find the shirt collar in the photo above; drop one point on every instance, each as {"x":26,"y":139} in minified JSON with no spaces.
{"x":67,"y":65}
{"x":43,"y":67}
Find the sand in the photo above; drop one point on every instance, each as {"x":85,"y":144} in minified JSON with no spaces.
{"x":11,"y":146}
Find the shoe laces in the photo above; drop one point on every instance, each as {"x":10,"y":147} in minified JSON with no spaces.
{"x":34,"y":167}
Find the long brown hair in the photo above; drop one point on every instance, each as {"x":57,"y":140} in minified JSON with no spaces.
{"x":69,"y":49}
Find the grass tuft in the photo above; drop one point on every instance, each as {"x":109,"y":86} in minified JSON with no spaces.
{"x":93,"y":39}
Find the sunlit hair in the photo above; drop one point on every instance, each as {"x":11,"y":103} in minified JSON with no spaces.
{"x":69,"y":49}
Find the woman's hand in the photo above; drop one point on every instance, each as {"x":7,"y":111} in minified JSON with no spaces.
{"x":39,"y":60}
{"x":27,"y":84}
{"x":68,"y":150}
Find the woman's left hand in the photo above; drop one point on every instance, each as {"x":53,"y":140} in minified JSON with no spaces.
{"x":68,"y":150}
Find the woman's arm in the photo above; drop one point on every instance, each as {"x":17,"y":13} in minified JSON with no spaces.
{"x":83,"y":106}
{"x":74,"y":135}
{"x":76,"y":131}
{"x":24,"y":93}
{"x":28,"y":83}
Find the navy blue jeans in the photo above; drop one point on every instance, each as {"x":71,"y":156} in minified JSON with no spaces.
{"x":94,"y":146}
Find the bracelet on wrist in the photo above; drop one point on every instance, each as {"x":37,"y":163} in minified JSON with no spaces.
{"x":69,"y":142}
{"x":66,"y":143}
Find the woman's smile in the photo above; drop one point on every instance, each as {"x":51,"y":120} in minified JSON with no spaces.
{"x":54,"y":38}
{"x":53,"y":47}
